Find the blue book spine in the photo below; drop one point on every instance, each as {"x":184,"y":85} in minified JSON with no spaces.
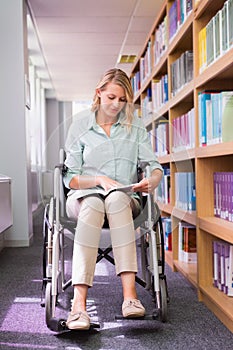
{"x":203,"y":97}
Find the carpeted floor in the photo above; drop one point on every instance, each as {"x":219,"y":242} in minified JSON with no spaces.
{"x":22,"y":320}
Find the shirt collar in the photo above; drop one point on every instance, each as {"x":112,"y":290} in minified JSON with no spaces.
{"x":93,"y":125}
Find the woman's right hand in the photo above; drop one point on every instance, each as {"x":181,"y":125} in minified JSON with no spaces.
{"x":106,"y":182}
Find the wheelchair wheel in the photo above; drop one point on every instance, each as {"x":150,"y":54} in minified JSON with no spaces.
{"x":48,"y":302}
{"x":163,"y":299}
{"x":45,"y":241}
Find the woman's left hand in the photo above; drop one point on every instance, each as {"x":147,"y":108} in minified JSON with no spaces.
{"x":148,"y":185}
{"x":143,"y":186}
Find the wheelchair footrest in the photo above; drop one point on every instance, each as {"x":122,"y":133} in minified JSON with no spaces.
{"x":59,"y":325}
{"x":147,"y":317}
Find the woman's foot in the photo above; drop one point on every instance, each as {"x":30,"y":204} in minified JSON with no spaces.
{"x":133,"y":308}
{"x":78,"y":321}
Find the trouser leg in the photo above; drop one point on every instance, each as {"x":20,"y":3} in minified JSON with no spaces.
{"x":86,"y":241}
{"x":119,"y":213}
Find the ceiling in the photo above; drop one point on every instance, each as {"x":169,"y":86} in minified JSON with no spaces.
{"x":73,"y":42}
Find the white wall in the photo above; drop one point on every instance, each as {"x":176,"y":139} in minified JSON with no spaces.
{"x":14,"y":137}
{"x":45,"y":126}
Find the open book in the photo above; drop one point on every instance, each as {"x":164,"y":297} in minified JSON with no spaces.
{"x":124,"y":188}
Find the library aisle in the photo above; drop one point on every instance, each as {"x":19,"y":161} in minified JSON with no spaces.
{"x":22,"y":320}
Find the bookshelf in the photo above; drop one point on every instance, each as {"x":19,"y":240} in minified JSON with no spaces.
{"x":164,"y":95}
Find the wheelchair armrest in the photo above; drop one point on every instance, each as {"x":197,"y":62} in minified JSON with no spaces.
{"x":143,"y":164}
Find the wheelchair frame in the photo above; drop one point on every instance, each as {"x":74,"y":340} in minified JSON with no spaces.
{"x":54,"y":280}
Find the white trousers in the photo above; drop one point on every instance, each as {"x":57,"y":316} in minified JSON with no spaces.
{"x":90,"y":212}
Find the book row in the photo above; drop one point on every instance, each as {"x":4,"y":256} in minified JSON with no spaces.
{"x":146,"y":63}
{"x":178,"y":13}
{"x":181,"y":71}
{"x":162,"y":192}
{"x":158,"y":44}
{"x":223,"y":195}
{"x":161,"y":40}
{"x":167,"y":230}
{"x":161,"y":137}
{"x":159,"y":89}
{"x":187,"y":246}
{"x":147,"y":106}
{"x":215,"y":109}
{"x":216,"y":37}
{"x":183,"y":131}
{"x":185,"y":193}
{"x":223,"y":267}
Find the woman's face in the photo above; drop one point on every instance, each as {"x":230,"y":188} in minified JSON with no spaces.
{"x":112,"y":99}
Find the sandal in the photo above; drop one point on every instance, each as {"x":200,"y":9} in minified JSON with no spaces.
{"x":80,"y":321}
{"x":133,"y":308}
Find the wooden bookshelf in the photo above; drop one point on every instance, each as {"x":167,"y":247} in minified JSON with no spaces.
{"x":203,"y":161}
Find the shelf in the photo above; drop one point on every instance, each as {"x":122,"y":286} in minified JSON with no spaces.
{"x":158,"y":66}
{"x":207,"y":5}
{"x":188,"y":270}
{"x":185,"y":91}
{"x":161,"y":111}
{"x":166,"y":208}
{"x":164,"y":159}
{"x":187,"y":216}
{"x":222,"y":67}
{"x":183,"y":155}
{"x":219,"y":228}
{"x":180,"y":33}
{"x":219,"y":303}
{"x":216,"y":150}
{"x":204,"y":161}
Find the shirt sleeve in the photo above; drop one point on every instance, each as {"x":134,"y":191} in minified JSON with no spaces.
{"x":74,"y":155}
{"x":145,"y":150}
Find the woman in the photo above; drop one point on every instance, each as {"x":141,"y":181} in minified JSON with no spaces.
{"x":103,"y":149}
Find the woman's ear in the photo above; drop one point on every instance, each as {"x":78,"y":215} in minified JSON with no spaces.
{"x":98,"y":92}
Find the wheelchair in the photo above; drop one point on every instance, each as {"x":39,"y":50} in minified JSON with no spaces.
{"x":58,"y":229}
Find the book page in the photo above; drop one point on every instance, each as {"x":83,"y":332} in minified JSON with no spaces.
{"x":124,"y":188}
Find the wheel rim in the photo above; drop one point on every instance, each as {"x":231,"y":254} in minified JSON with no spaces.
{"x":48,"y":302}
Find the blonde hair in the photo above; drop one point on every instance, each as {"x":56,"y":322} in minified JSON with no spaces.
{"x":119,"y":77}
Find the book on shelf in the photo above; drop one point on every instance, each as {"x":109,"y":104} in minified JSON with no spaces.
{"x":135,"y":82}
{"x":161,"y":40}
{"x":185,"y":192}
{"x":215,"y":110}
{"x":162,"y":192}
{"x":202,"y":49}
{"x":223,"y":266}
{"x":203,"y":97}
{"x":146,"y":106}
{"x":181,"y":71}
{"x":178,"y":12}
{"x":159,"y":92}
{"x":216,"y":38}
{"x":167,"y":229}
{"x":187,"y":246}
{"x":223,"y":195}
{"x":173,"y":24}
{"x":210,"y":41}
{"x":226,"y":115}
{"x":145,"y":63}
{"x":161,"y":133}
{"x":224,"y":28}
{"x":183,"y":131}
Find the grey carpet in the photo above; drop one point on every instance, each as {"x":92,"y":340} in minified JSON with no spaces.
{"x":22,"y":320}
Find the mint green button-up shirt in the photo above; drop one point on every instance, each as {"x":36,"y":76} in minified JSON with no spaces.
{"x":89,"y":151}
